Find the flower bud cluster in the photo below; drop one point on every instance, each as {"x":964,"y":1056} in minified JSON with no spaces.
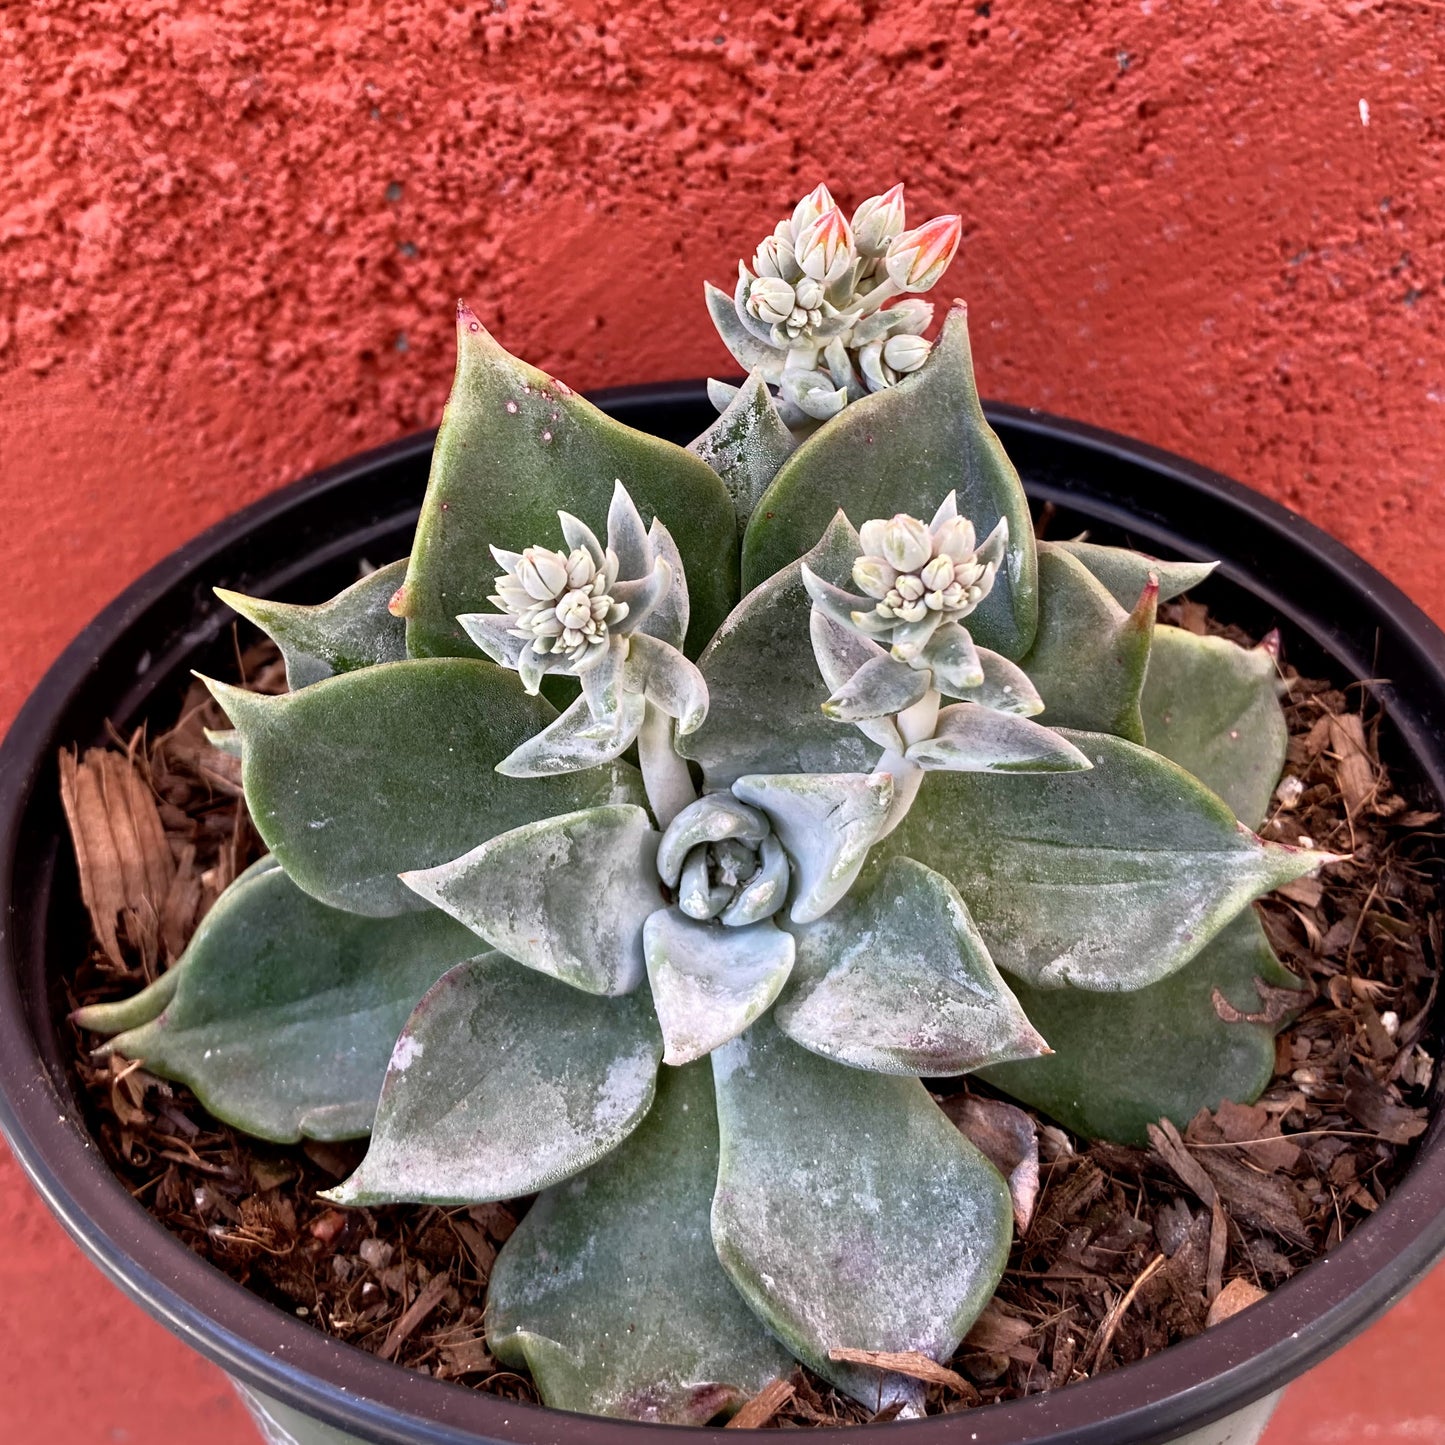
{"x":815,"y":290}
{"x":560,"y":601}
{"x":912,"y":571}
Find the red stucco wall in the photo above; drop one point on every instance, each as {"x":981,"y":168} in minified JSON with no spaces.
{"x":231,"y":236}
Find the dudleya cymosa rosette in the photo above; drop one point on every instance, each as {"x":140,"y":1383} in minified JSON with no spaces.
{"x":825,"y":812}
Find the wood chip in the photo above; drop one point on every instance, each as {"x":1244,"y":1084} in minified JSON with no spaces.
{"x":996,"y":1332}
{"x":1354,"y":773}
{"x":763,"y":1406}
{"x":906,"y":1362}
{"x":430,"y":1297}
{"x":1117,"y":1312}
{"x":1377,"y":1107}
{"x":1237,"y":1295}
{"x":125,"y":862}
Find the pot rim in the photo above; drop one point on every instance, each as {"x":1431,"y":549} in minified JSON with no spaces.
{"x":1184,"y":1387}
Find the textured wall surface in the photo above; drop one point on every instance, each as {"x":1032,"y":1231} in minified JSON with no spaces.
{"x":231,"y":236}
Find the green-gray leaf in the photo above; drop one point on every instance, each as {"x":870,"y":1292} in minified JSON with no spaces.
{"x":503,"y":1082}
{"x":354,"y":629}
{"x":370,"y":774}
{"x":746,"y":445}
{"x":610,"y":1291}
{"x":1108,"y":880}
{"x":897,"y":979}
{"x":849,"y":1212}
{"x":1124,"y":1061}
{"x":710,"y":981}
{"x":1126,"y":573}
{"x":514,"y":446}
{"x":1213,"y":707}
{"x":766,"y":693}
{"x":1090,"y":656}
{"x":904,"y":450}
{"x":285,"y":1010}
{"x":567,"y":896}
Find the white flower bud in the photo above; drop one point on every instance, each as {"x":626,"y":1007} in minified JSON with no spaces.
{"x":907,"y":543}
{"x":937,"y":574}
{"x":824,"y":248}
{"x":575,"y":610}
{"x":770,"y":299}
{"x":906,"y":353}
{"x":816,"y":203}
{"x":874,"y":576}
{"x":877,"y":221}
{"x":916,"y":259}
{"x":809,"y":293}
{"x":956,"y":539}
{"x":542,"y":573}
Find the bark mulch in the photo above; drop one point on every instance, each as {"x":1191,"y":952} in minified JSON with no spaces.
{"x":1120,"y":1251}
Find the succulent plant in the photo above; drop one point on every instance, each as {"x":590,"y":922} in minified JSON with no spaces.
{"x":862,"y":806}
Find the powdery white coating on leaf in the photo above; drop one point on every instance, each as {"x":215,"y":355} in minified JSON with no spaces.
{"x":373,"y":773}
{"x":521,"y":1082}
{"x":284,"y":1011}
{"x":969,"y":738}
{"x":610,"y":1291}
{"x":710,"y":981}
{"x":746,"y":445}
{"x":826,"y":822}
{"x":1107,"y":880}
{"x":765,"y":689}
{"x":1213,"y":707}
{"x":408,"y":1047}
{"x":566,"y":896}
{"x":898,"y":980}
{"x":849,"y":1211}
{"x":1124,"y":1061}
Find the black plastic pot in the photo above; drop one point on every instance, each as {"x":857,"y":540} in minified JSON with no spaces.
{"x":1336,"y":612}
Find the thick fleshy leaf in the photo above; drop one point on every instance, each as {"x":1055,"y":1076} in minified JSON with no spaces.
{"x":709,"y":981}
{"x":567,"y":896}
{"x":1005,"y":688}
{"x":668,"y":621}
{"x":662,"y":675}
{"x":954,"y":661}
{"x":850,"y":1213}
{"x":973,"y":739}
{"x":1090,"y":656}
{"x":827,"y":822}
{"x":1213,"y":707}
{"x":746,"y":445}
{"x":840,"y":654}
{"x":577,"y":740}
{"x":1124,"y":1061}
{"x":610,"y":1292}
{"x":749,"y":351}
{"x":881,"y":687}
{"x":898,"y":980}
{"x":1126,"y":573}
{"x":514,"y":446}
{"x":766,"y":694}
{"x":354,"y":629}
{"x":903,"y":450}
{"x":503,"y":1082}
{"x":372,"y":773}
{"x":1107,"y":880}
{"x":710,"y":819}
{"x":285,"y":1010}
